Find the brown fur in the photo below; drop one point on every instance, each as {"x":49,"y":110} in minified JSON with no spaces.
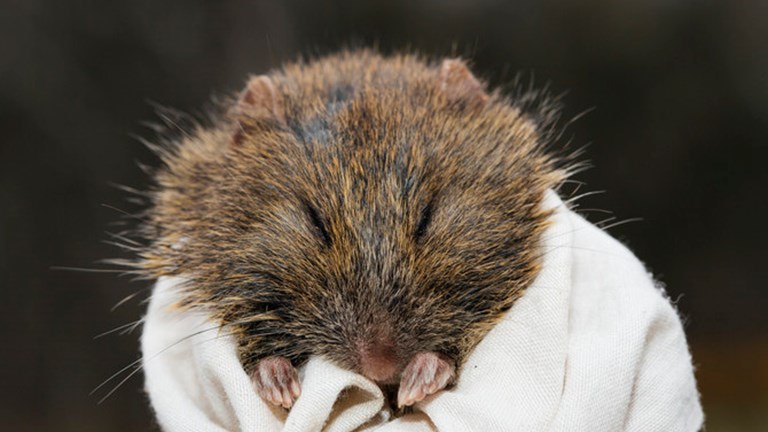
{"x":362,"y":203}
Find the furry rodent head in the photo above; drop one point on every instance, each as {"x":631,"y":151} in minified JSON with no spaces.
{"x":355,"y":207}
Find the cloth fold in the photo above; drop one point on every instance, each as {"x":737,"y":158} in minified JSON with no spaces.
{"x":593,"y":345}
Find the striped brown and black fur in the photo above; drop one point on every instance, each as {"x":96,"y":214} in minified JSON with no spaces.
{"x":362,"y":200}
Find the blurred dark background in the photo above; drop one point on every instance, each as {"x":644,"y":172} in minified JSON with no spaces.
{"x":678,"y":137}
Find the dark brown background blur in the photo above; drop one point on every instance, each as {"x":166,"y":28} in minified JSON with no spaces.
{"x":679,"y":138}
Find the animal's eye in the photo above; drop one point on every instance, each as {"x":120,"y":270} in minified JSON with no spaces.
{"x":317,"y":221}
{"x":424,"y":218}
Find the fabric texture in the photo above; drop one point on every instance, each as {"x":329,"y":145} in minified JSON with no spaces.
{"x":593,"y":345}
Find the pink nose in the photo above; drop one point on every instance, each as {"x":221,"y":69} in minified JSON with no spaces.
{"x":378,"y":362}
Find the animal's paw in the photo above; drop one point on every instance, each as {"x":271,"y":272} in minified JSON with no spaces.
{"x":276,"y":381}
{"x":426,"y":373}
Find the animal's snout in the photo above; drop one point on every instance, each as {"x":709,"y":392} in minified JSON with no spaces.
{"x":378,"y":361}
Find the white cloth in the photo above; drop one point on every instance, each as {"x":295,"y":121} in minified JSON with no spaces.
{"x":593,"y":345}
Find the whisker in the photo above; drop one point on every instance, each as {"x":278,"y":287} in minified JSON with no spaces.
{"x":585,"y":194}
{"x":128,"y":189}
{"x":85,"y":270}
{"x":123,"y":212}
{"x":131,"y":325}
{"x":123,"y":246}
{"x":593,"y":210}
{"x":579,"y":116}
{"x":116,"y":374}
{"x":140,"y":359}
{"x":124,"y":300}
{"x":600,"y":224}
{"x":134,"y":372}
{"x":621,"y":222}
{"x":123,"y":238}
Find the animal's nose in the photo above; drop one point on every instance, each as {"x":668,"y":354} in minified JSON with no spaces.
{"x":378,"y":362}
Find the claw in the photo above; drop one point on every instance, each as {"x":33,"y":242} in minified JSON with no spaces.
{"x":276,"y":381}
{"x":426,"y":374}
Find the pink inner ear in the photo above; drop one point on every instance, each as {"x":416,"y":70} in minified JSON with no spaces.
{"x":459,"y":85}
{"x":261,"y":98}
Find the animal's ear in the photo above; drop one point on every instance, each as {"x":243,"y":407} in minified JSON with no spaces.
{"x":458,"y":84}
{"x":261,"y":99}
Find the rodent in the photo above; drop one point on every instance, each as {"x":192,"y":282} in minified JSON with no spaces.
{"x":381,"y":212}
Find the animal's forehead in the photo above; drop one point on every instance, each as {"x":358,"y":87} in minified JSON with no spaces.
{"x":378,"y":146}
